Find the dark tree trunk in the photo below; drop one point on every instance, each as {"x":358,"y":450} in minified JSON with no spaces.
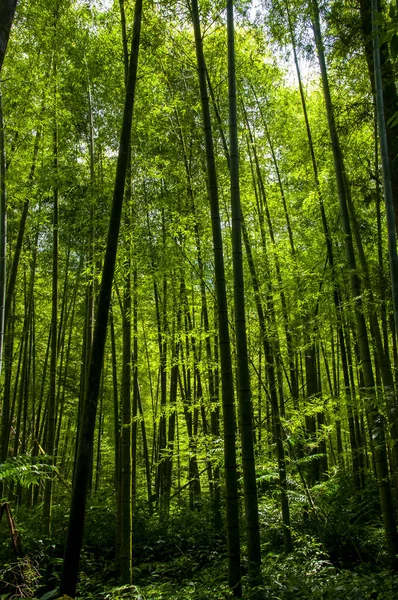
{"x":375,"y":420}
{"x":244,"y":391}
{"x":79,"y":496}
{"x":389,"y":93}
{"x":7,"y":10}
{"x":385,"y":163}
{"x":229,"y":420}
{"x":269,"y":367}
{"x":3,"y":232}
{"x":51,"y":412}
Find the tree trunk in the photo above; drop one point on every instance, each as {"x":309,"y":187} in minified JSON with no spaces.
{"x":51,"y":412}
{"x":233,"y":542}
{"x":134,"y":368}
{"x":375,"y":419}
{"x":385,"y":163}
{"x":79,"y":496}
{"x":388,"y":89}
{"x":125,"y":457}
{"x":244,"y":391}
{"x":7,"y":10}
{"x":3,"y":232}
{"x":269,"y":366}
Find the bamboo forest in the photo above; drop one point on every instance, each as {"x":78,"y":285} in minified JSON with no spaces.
{"x":198,"y":299}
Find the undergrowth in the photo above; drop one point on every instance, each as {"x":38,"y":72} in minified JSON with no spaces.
{"x":339,"y":551}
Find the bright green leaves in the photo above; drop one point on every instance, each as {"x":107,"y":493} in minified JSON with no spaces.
{"x":25,"y":470}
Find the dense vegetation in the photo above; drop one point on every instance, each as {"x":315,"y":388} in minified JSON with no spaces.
{"x":198,"y":299}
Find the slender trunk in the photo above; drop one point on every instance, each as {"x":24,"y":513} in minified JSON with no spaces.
{"x":116,"y":426}
{"x":386,"y":86}
{"x":7,"y":10}
{"x":375,"y":419}
{"x":168,"y":460}
{"x":3,"y":232}
{"x":21,"y":381}
{"x":193,"y":400}
{"x":229,"y":422}
{"x":336,"y":287}
{"x":79,"y":496}
{"x":85,"y":359}
{"x":3,"y":339}
{"x":162,"y":326}
{"x":244,"y":391}
{"x":145,"y":448}
{"x":382,"y":365}
{"x":162,"y":343}
{"x":66,"y":373}
{"x":21,"y":228}
{"x":99,"y":437}
{"x":214,"y":409}
{"x":380,"y":250}
{"x":39,"y":419}
{"x":385,"y":163}
{"x":51,"y":411}
{"x":277,"y":426}
{"x":134,"y":368}
{"x":126,"y":427}
{"x":6,"y":416}
{"x":116,"y":429}
{"x":126,"y":504}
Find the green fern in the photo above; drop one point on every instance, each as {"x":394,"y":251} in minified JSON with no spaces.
{"x":25,"y":470}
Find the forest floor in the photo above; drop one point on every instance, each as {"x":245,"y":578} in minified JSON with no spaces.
{"x":285,"y":578}
{"x":339,"y":553}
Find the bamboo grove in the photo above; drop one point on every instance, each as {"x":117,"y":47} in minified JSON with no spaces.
{"x":198,"y":263}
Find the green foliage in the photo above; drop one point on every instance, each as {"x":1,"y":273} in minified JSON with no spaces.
{"x":185,"y":558}
{"x":388,"y":24}
{"x":26,"y":470}
{"x":350,"y":524}
{"x":124,"y":591}
{"x":182,"y":555}
{"x":305,"y":574}
{"x":308,"y":574}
